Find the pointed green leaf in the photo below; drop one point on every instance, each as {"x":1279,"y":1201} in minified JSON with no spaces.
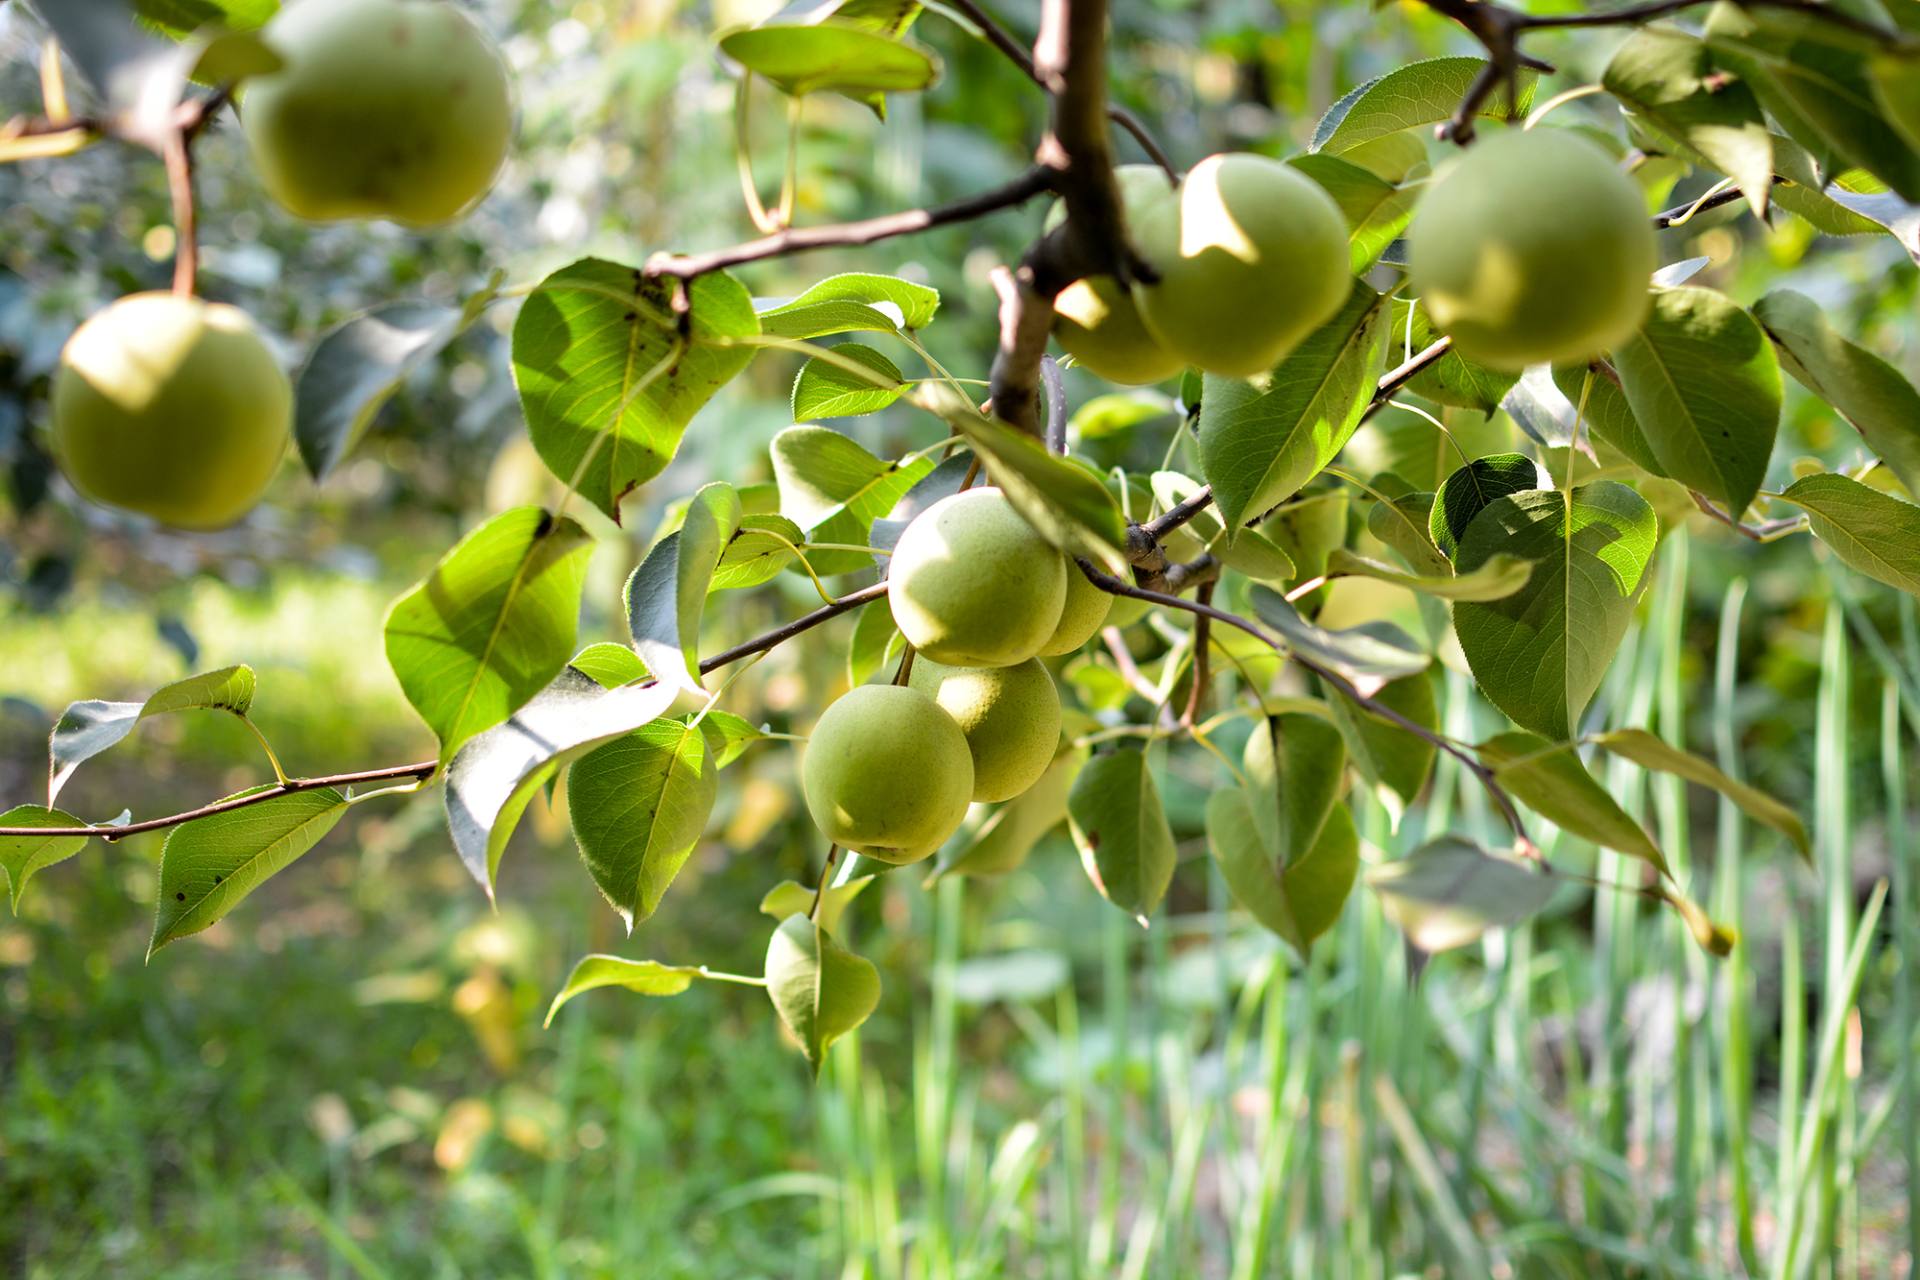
{"x":820,"y":989}
{"x":645,"y":977}
{"x":1447,"y":893}
{"x":1874,"y":533}
{"x":1368,"y":655}
{"x":1114,"y":812}
{"x":728,"y":736}
{"x":87,"y":728}
{"x":1452,"y":379}
{"x":1650,"y":752}
{"x":1295,"y":765}
{"x":1395,"y":761}
{"x":758,"y":551}
{"x":1499,"y":577}
{"x":1376,"y":210}
{"x":639,"y":805}
{"x":1550,"y":779}
{"x":22,"y":856}
{"x":832,"y":56}
{"x":875,"y":640}
{"x":1540,"y":653}
{"x":791,"y":898}
{"x":1868,"y":392}
{"x":491,"y":625}
{"x":228,"y":689}
{"x":611,"y":665}
{"x":1704,"y":386}
{"x":835,"y":490}
{"x":1472,"y":488}
{"x":901,"y":303}
{"x":1420,"y":93}
{"x":208,"y":865}
{"x":606,"y":380}
{"x":1607,"y":414}
{"x":828,"y":388}
{"x":1297,"y":902}
{"x":1261,"y":441}
{"x":1402,"y":521}
{"x":1003,"y":841}
{"x":1667,"y":79}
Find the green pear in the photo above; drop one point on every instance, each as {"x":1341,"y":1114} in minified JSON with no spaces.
{"x":887,"y":773}
{"x":972,"y":585}
{"x":1532,"y":248}
{"x":1252,"y":257}
{"x":1082,"y":615}
{"x":172,"y":407}
{"x":1095,"y":320}
{"x":1009,"y":715}
{"x":384,"y":109}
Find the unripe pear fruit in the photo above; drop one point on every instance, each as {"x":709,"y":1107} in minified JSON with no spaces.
{"x":1095,"y":320}
{"x":172,"y":407}
{"x":385,"y":109}
{"x":1010,"y":717}
{"x":972,"y":585}
{"x":1082,"y":615}
{"x":1532,"y":248}
{"x":1252,"y":257}
{"x":887,"y":773}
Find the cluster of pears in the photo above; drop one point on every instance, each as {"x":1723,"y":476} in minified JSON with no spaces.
{"x":890,"y":769}
{"x":1250,"y":257}
{"x":178,"y":408}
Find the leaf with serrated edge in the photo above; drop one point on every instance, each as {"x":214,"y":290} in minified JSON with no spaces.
{"x":601,"y":367}
{"x":1260,"y":442}
{"x":22,"y":856}
{"x":1468,"y":491}
{"x":1874,"y":533}
{"x":1121,"y":830}
{"x":1540,"y":653}
{"x":1550,"y":779}
{"x":491,"y":624}
{"x":1649,"y":752}
{"x":493,"y":777}
{"x":1420,"y":93}
{"x":644,"y":977}
{"x":820,"y":989}
{"x":1447,"y":893}
{"x":827,"y":388}
{"x":913,"y":304}
{"x":639,"y":805}
{"x":208,"y":865}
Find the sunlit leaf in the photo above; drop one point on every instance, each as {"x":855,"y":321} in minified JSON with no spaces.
{"x":639,"y":805}
{"x":208,"y":865}
{"x":643,"y":977}
{"x":22,"y":856}
{"x":1550,"y":779}
{"x":1419,"y":93}
{"x":1874,"y":533}
{"x":820,"y":989}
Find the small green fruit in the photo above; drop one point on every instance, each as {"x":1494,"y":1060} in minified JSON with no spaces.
{"x":385,"y":109}
{"x":1010,"y":716}
{"x":1095,"y":320}
{"x":1081,"y":616}
{"x":1533,"y":248}
{"x":1252,"y":258}
{"x":171,"y":407}
{"x":972,"y":585}
{"x":887,"y":773}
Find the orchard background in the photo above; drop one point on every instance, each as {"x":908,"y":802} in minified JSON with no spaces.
{"x":348,"y":1072}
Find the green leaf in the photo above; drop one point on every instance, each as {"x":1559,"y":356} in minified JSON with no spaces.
{"x":1608,"y":415}
{"x":358,"y":365}
{"x":666,"y":596}
{"x":1472,"y":488}
{"x":1540,"y":653}
{"x":761,"y":547}
{"x":1402,"y":521}
{"x":493,"y":777}
{"x":603,"y":371}
{"x":820,"y":989}
{"x":1295,"y":765}
{"x":833,"y":57}
{"x":1002,"y":843}
{"x":1874,"y":533}
{"x":1114,"y":812}
{"x":835,"y":490}
{"x":1820,"y":92}
{"x":1376,"y":210}
{"x":1667,"y":78}
{"x":899,"y":303}
{"x":1394,"y":761}
{"x":728,"y":735}
{"x":1065,"y":502}
{"x":1499,"y":577}
{"x":1868,"y":392}
{"x":826,"y":389}
{"x":645,"y":977}
{"x":208,"y":865}
{"x":1452,"y":379}
{"x":791,"y":898}
{"x":1704,"y":386}
{"x":1550,"y":779}
{"x":1298,"y":902}
{"x":1260,"y":442}
{"x":611,"y":665}
{"x":1895,"y":78}
{"x":1420,"y":93}
{"x":1650,"y":752}
{"x":1369,"y":656}
{"x":1447,"y":893}
{"x":639,"y":805}
{"x":22,"y":856}
{"x":491,"y":625}
{"x":85,"y":729}
{"x":875,"y":639}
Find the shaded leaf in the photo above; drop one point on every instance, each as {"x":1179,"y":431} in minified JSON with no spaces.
{"x":1368,"y":656}
{"x":1002,"y":843}
{"x":1393,"y":760}
{"x":1120,"y":828}
{"x":1295,"y":764}
{"x":875,"y":641}
{"x":1550,"y":779}
{"x":1499,"y":577}
{"x":1667,"y":78}
{"x":1874,"y":533}
{"x":1650,"y":752}
{"x":1297,"y":902}
{"x":1447,"y":893}
{"x":1473,"y":488}
{"x":85,"y":729}
{"x":820,"y":989}
{"x":1419,"y":93}
{"x":1452,"y":379}
{"x":208,"y":865}
{"x":1376,"y":210}
{"x":834,"y":57}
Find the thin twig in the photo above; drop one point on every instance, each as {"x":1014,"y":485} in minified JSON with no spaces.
{"x":1202,"y":643}
{"x":846,"y":234}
